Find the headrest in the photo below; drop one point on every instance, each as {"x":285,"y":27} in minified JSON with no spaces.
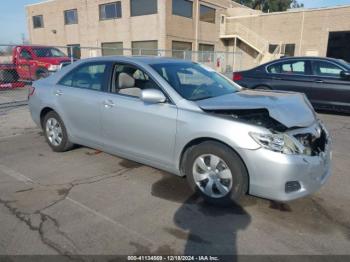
{"x":125,"y":81}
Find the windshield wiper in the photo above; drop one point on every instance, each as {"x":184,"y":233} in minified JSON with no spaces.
{"x":202,"y":98}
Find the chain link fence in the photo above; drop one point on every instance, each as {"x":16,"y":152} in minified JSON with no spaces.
{"x":22,"y":64}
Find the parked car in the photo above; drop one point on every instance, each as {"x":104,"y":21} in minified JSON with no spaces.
{"x":9,"y":77}
{"x":325,"y":81}
{"x":185,"y":118}
{"x":32,"y":62}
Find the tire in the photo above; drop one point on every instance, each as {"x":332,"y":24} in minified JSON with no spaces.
{"x":41,"y":73}
{"x":56,"y":138}
{"x":233,"y":183}
{"x":262,"y":88}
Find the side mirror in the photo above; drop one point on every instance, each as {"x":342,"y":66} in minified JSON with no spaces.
{"x":152,"y":96}
{"x":345,"y":75}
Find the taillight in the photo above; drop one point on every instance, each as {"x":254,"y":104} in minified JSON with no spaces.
{"x":237,"y":76}
{"x":31,"y":91}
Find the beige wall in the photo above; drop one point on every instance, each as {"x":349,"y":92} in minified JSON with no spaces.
{"x":308,"y":30}
{"x":180,"y":28}
{"x":90,"y":32}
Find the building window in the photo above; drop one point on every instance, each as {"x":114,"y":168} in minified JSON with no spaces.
{"x":71,"y":17}
{"x":38,"y":21}
{"x":110,"y":11}
{"x":143,"y":7}
{"x":182,"y":50}
{"x":144,"y":48}
{"x":114,"y":48}
{"x":289,"y":49}
{"x":207,"y":14}
{"x":74,"y":50}
{"x":272,"y":48}
{"x":206,"y":53}
{"x":183,"y":8}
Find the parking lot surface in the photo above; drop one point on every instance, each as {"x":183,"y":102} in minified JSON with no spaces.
{"x":13,"y":95}
{"x":88,"y":202}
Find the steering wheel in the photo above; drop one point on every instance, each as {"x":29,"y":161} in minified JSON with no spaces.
{"x":200,"y":91}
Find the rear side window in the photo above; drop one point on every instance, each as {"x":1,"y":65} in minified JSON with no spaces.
{"x":288,"y":67}
{"x":91,"y":76}
{"x":323,"y":68}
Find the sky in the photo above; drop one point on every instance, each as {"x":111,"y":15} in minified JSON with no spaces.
{"x":13,"y":23}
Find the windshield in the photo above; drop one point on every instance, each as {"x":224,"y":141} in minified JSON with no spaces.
{"x":48,"y":52}
{"x":344,"y":63}
{"x":195,"y":81}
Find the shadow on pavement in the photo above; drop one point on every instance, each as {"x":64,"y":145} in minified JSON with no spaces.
{"x":207,"y":229}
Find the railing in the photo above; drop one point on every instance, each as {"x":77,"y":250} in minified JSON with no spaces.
{"x":247,"y":35}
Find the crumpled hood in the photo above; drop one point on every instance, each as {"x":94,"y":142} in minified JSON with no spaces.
{"x":290,"y":109}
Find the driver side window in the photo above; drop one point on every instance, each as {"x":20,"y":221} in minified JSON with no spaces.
{"x":25,"y":54}
{"x":130,"y":81}
{"x":322,"y":68}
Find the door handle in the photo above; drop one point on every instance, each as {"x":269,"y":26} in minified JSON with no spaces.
{"x":108,"y":104}
{"x":318,"y":81}
{"x":276,"y":78}
{"x":58,"y":92}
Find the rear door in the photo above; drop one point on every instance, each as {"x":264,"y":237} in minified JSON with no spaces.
{"x":330,"y":89}
{"x":79,"y":95}
{"x":291,"y":75}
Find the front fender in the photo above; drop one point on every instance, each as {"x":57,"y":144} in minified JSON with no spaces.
{"x":200,"y":125}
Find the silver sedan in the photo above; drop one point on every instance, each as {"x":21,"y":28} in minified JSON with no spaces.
{"x":184,"y":118}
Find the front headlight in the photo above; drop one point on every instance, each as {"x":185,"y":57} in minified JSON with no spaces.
{"x":54,"y":67}
{"x":276,"y":142}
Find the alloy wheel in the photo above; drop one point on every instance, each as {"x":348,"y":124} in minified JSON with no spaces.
{"x":54,"y":131}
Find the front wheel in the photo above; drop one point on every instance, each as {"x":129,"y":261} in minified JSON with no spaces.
{"x":56,"y":133}
{"x":216,"y":172}
{"x":41,"y":73}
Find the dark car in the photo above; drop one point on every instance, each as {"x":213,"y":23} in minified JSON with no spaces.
{"x":325,"y":81}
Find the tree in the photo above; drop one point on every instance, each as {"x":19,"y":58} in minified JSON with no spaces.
{"x":271,"y":5}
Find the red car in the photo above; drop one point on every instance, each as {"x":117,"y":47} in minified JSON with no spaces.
{"x":31,"y":63}
{"x":34,"y":62}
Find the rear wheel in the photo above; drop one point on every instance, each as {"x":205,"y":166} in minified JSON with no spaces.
{"x":216,"y":172}
{"x":56,"y":133}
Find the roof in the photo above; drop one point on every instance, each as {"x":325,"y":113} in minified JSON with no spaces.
{"x":142,"y":59}
{"x":336,"y":60}
{"x":292,"y":10}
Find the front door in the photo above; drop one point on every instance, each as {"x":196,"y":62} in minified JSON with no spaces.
{"x":330,"y":89}
{"x":134,"y":128}
{"x":24,"y":64}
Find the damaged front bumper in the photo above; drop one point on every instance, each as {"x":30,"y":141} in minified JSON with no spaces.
{"x":283,"y":177}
